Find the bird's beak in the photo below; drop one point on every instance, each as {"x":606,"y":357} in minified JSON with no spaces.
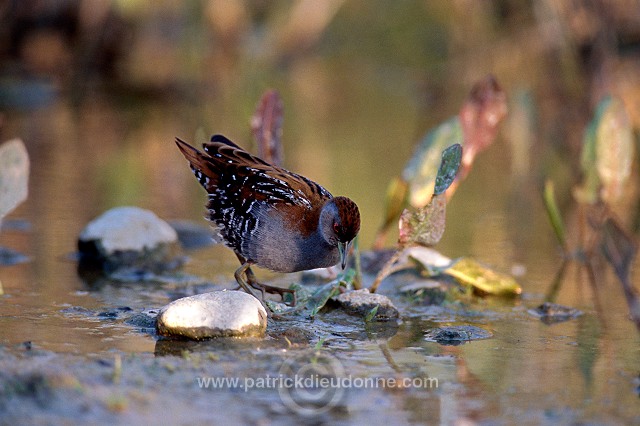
{"x":344,"y":251}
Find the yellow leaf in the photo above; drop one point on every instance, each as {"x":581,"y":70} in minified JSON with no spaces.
{"x":483,"y":280}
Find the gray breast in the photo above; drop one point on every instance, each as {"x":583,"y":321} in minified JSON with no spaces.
{"x":279,"y":248}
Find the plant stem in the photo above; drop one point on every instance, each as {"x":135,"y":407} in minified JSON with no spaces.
{"x":554,"y":214}
{"x":357,"y":281}
{"x":386,"y":270}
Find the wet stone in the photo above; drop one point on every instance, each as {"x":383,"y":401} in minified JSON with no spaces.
{"x":129,"y":238}
{"x":361,"y":302}
{"x":145,"y":320}
{"x":10,"y":257}
{"x":294,"y":335}
{"x":215,"y":314}
{"x":77,"y":310}
{"x":551,"y":313}
{"x":193,"y":235}
{"x":425,"y":292}
{"x":114,"y":313}
{"x":456,"y":335}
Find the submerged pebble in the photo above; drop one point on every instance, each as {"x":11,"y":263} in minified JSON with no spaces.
{"x":426,"y":292}
{"x":145,"y":320}
{"x":456,"y":335}
{"x":362,"y":302}
{"x":129,"y":237}
{"x":114,"y":313}
{"x":550,"y":313}
{"x":10,"y":257}
{"x":192,"y":235}
{"x":215,"y":314}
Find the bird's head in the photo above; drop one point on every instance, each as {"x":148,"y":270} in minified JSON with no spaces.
{"x":339,"y":224}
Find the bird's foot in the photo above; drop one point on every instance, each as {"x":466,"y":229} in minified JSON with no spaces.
{"x":250,"y":284}
{"x":266,"y":288}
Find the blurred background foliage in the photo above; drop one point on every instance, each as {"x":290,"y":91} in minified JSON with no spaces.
{"x":361,"y":80}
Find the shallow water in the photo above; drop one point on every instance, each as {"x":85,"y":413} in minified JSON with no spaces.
{"x":585,"y":369}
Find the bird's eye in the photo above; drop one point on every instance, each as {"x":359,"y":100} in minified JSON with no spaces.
{"x":336,"y":227}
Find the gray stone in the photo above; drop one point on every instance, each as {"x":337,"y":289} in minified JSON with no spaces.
{"x":456,"y":334}
{"x":130,"y":237}
{"x":551,"y":313}
{"x":14,"y":175}
{"x":425,"y":292}
{"x":216,"y":314}
{"x":361,"y":302}
{"x":193,"y":235}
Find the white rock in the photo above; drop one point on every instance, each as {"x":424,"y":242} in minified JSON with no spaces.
{"x":128,"y":228}
{"x":416,"y":286}
{"x":216,"y":314}
{"x":426,"y":257}
{"x":14,"y":175}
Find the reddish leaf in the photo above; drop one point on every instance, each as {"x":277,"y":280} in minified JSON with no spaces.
{"x":266,"y":125}
{"x":480,"y":116}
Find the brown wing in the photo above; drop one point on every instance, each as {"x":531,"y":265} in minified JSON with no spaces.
{"x":242,"y":187}
{"x":225,"y":164}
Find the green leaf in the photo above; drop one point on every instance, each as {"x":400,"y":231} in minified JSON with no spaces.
{"x":420,"y":172}
{"x":321,"y":296}
{"x":371,"y":314}
{"x":554,"y":213}
{"x":302,"y":294}
{"x":320,"y":343}
{"x":588,"y":191}
{"x":279,"y":308}
{"x":483,"y":280}
{"x":448,"y":168}
{"x":357,"y":276}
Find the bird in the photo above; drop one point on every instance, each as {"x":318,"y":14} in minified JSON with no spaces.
{"x":270,"y":217}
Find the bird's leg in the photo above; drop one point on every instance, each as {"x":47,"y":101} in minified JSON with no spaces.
{"x":264,"y":288}
{"x":242,"y":270}
{"x":253,"y":282}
